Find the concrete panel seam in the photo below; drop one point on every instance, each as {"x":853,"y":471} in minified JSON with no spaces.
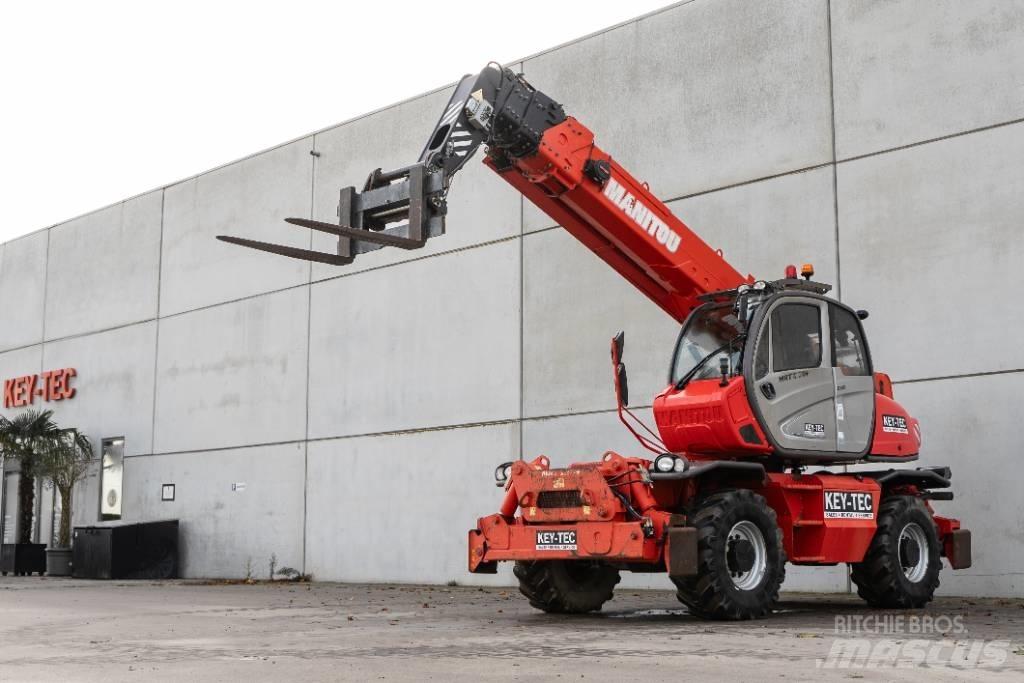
{"x":156,"y":342}
{"x":307,"y":284}
{"x":399,"y":432}
{"x":835,"y":190}
{"x":600,"y":411}
{"x":80,"y":335}
{"x":23,"y":348}
{"x":967,"y":375}
{"x":941,"y":138}
{"x":522,"y":325}
{"x":46,"y":283}
{"x":309,"y":336}
{"x":396,"y":432}
{"x":835,"y":171}
{"x":454,"y":250}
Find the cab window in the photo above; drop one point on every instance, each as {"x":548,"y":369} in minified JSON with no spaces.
{"x":761,"y":354}
{"x":848,"y":352}
{"x":796,"y":337}
{"x":711,"y":332}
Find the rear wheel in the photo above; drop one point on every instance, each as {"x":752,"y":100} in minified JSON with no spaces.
{"x":741,"y":562}
{"x":901,"y":566}
{"x":566,"y":586}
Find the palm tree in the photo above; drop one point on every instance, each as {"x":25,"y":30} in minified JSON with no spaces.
{"x":65,"y":460}
{"x":25,"y":438}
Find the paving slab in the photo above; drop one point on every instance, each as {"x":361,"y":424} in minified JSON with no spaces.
{"x":65,"y":629}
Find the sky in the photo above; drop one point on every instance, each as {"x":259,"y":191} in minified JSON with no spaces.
{"x":103,"y":100}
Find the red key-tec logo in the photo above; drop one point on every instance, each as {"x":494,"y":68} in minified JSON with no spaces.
{"x":52,"y":385}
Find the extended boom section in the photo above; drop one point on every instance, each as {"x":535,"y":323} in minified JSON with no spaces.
{"x":618,"y":218}
{"x":553,"y":161}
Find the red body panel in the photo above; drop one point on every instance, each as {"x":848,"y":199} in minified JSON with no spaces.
{"x":808,"y":536}
{"x":896,"y":433}
{"x":705,"y":419}
{"x":624,"y":223}
{"x":704,"y":422}
{"x":812,"y":534}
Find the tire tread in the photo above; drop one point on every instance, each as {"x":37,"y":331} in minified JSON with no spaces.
{"x":877,"y":576}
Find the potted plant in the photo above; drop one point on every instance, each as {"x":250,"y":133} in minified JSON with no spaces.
{"x":64,"y":459}
{"x":24,"y":438}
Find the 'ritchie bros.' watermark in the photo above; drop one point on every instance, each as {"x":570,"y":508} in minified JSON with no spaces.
{"x":900,"y":624}
{"x":910,"y":640}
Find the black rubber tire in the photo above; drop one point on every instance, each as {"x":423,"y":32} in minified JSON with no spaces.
{"x":712,"y":594}
{"x":566,"y":586}
{"x":880,"y":578}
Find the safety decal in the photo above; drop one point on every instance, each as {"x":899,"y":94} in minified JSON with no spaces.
{"x":556,"y":540}
{"x":848,"y":505}
{"x":814,"y":430}
{"x":894,"y":424}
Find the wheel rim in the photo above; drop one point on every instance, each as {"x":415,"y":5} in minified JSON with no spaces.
{"x":913,"y":552}
{"x":746,"y":535}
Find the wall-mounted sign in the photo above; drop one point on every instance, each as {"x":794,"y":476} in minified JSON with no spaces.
{"x":52,"y":385}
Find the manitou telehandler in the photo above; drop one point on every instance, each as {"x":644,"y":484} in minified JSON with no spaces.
{"x":768,"y":379}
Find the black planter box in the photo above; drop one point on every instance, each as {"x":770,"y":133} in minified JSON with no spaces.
{"x":147,"y":550}
{"x":22,"y":559}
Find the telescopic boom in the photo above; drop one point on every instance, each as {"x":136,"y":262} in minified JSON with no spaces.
{"x":553,"y":161}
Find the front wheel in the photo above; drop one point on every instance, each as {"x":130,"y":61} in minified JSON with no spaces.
{"x":566,"y":586}
{"x":741,"y":561}
{"x":901,"y":566}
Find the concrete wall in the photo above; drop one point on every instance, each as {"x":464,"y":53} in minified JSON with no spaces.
{"x":363,"y":409}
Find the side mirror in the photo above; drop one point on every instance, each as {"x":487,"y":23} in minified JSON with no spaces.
{"x":862,"y":314}
{"x":621,"y":386}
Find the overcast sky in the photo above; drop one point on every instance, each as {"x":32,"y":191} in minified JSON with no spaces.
{"x":105,"y":99}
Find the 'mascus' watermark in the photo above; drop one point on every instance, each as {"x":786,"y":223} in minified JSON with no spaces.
{"x":910,"y":640}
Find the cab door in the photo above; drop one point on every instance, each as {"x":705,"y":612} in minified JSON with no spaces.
{"x":794,"y":383}
{"x":855,"y":387}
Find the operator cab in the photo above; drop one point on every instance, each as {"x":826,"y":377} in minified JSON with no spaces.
{"x":799,"y":358}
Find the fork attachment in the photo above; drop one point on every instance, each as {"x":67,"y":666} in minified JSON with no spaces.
{"x":401,"y":208}
{"x":406,"y":207}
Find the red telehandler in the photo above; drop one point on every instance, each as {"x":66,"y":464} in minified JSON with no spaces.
{"x":770,"y":381}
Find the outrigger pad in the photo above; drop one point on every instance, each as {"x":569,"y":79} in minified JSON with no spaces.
{"x":681,"y":551}
{"x":958,"y":549}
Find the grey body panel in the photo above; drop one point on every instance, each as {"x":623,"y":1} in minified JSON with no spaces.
{"x":802,"y":415}
{"x":855,"y":411}
{"x":798,"y":404}
{"x":821,"y":412}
